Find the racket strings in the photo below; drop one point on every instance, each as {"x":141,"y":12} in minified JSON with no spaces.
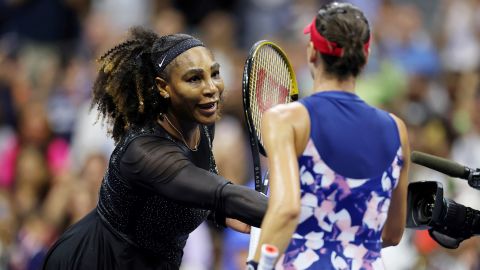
{"x":270,"y":85}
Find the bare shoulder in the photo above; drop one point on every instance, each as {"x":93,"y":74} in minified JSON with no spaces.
{"x":291,"y":118}
{"x":285,"y":113}
{"x":402,"y":128}
{"x":400,"y":122}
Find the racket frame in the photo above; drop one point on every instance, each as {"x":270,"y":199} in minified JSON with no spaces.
{"x":255,"y":145}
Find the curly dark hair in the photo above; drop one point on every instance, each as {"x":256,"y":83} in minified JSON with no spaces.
{"x":347,"y":26}
{"x":125,"y":90}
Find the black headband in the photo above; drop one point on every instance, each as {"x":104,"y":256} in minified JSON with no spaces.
{"x":161,"y":62}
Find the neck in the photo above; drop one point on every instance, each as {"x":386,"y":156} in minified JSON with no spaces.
{"x":321,"y":84}
{"x":179,"y":128}
{"x":324,"y":82}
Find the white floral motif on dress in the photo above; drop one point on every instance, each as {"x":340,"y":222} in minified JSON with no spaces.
{"x":348,"y":212}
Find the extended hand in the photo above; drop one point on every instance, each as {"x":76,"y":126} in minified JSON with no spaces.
{"x":237,"y":225}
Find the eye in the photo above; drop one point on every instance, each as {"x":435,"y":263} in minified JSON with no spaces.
{"x":194,"y":78}
{"x":216,"y":74}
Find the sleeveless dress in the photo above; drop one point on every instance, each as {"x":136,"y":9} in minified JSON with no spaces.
{"x":348,"y":170}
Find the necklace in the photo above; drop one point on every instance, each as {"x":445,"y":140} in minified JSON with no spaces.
{"x":181,"y":135}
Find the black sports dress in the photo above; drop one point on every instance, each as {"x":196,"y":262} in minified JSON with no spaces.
{"x":154,"y":193}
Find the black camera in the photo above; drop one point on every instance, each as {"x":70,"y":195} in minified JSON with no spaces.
{"x":447,"y":222}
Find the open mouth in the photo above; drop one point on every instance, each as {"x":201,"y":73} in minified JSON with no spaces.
{"x":208,"y":108}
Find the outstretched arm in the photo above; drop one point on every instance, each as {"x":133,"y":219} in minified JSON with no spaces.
{"x":161,"y":166}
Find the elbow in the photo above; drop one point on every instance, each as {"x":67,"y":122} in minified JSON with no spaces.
{"x":392,"y":233}
{"x":291,"y":214}
{"x":288,"y":212}
{"x":391,"y":240}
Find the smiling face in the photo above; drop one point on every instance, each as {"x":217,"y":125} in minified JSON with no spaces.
{"x":194,"y":86}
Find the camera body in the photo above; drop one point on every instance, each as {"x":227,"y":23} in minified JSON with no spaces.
{"x":424,"y":204}
{"x":448,"y":222}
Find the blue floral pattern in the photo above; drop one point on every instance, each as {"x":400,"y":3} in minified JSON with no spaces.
{"x":341,"y":219}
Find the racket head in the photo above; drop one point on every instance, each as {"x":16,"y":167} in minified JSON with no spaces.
{"x":268,"y":80}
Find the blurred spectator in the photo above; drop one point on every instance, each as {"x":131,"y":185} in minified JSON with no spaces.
{"x":264,"y":19}
{"x":89,"y":136}
{"x":424,"y":66}
{"x":196,"y":10}
{"x":48,"y":21}
{"x":370,"y":8}
{"x":466,"y":151}
{"x":92,"y":172}
{"x":31,"y":181}
{"x":81,"y":201}
{"x":97,"y":35}
{"x":33,"y":131}
{"x":230,"y":138}
{"x":72,"y":196}
{"x":169,"y":21}
{"x":198,"y":252}
{"x":409,"y":46}
{"x":31,"y":244}
{"x":123,"y":14}
{"x":459,"y":34}
{"x":8,"y":225}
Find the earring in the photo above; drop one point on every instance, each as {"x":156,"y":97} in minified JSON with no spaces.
{"x":167,"y":96}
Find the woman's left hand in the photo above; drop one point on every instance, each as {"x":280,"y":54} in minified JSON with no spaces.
{"x":237,"y":225}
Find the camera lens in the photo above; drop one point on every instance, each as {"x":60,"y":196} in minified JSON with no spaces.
{"x":423,"y":209}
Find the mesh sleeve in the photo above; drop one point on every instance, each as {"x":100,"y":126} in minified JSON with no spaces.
{"x":161,"y":166}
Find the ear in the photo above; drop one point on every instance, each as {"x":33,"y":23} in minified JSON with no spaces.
{"x":311,"y":53}
{"x":367,"y":56}
{"x":163,"y":87}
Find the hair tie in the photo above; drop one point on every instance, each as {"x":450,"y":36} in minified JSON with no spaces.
{"x":324,"y":46}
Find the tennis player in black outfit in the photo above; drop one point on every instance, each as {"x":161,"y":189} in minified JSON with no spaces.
{"x":161,"y":96}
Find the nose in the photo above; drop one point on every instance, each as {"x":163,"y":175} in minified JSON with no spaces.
{"x":210,"y":88}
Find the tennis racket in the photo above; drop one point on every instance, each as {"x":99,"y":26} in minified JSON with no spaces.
{"x":268,"y":80}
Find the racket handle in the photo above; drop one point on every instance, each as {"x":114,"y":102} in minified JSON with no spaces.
{"x":268,"y":257}
{"x":254,"y":237}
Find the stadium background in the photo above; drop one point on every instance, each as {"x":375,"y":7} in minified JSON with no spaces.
{"x":424,"y":67}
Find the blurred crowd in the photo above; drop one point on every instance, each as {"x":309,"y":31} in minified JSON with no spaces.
{"x":424,"y":67}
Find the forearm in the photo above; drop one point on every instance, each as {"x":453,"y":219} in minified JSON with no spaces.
{"x":284,"y":202}
{"x":277,"y":229}
{"x":244,"y":204}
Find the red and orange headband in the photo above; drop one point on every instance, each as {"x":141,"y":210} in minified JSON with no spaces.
{"x":322,"y":45}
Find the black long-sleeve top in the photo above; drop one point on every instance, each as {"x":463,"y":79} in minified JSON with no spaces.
{"x":156,"y":191}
